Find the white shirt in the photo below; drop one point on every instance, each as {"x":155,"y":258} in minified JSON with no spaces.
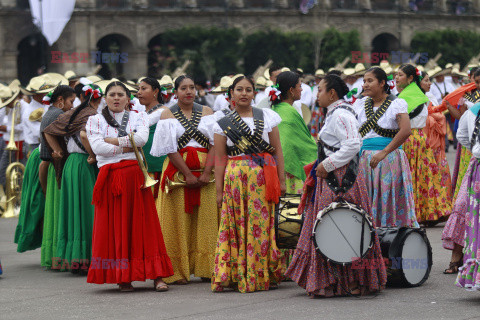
{"x":271,"y":120}
{"x":137,"y":106}
{"x":76,"y":102}
{"x":168,"y":132}
{"x":314,"y":97}
{"x":466,"y":125}
{"x":340,"y":130}
{"x":420,"y":121}
{"x":31,"y":129}
{"x":98,"y":129}
{"x":220,"y":103}
{"x":72,"y":146}
{"x":432,"y":98}
{"x":260,"y":95}
{"x":18,"y":132}
{"x":440,"y":88}
{"x":154,"y":117}
{"x":306,"y":97}
{"x":387,"y":121}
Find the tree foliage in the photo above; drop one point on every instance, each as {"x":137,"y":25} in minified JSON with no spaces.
{"x":216,"y":51}
{"x":454,"y":45}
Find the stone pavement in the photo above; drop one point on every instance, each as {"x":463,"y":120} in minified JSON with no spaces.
{"x":27,"y":291}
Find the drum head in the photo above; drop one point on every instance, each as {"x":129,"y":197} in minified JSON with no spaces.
{"x":338,"y":235}
{"x":415,"y":259}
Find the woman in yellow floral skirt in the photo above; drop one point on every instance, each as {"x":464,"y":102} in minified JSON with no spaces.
{"x":188,"y":215}
{"x":249,"y":174}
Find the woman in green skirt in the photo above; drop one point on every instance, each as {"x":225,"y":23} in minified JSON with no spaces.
{"x":60,"y":100}
{"x":28,"y":234}
{"x":75,"y":217}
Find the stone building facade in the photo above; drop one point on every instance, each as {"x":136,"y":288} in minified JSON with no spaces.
{"x":133,"y":23}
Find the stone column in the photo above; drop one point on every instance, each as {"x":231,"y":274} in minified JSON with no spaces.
{"x":475,"y":5}
{"x":236,"y":3}
{"x":404,"y":5}
{"x":325,"y":4}
{"x":136,"y":65}
{"x":189,"y":3}
{"x":283,"y":4}
{"x":9,"y":61}
{"x":365,"y":5}
{"x":441,"y":6}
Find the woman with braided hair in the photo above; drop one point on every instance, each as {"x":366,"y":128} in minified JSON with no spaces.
{"x":431,"y":194}
{"x":339,"y":144}
{"x":79,"y":172}
{"x":385,"y":126}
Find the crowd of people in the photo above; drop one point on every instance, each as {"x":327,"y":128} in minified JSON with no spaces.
{"x":225,"y":156}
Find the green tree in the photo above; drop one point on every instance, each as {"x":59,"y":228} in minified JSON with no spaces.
{"x":454,"y":45}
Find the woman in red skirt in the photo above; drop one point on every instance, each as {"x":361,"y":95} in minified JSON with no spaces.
{"x":127,"y":239}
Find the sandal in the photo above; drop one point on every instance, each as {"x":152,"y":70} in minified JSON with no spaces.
{"x":453,"y":267}
{"x":125,"y":287}
{"x":159,"y":285}
{"x":180,"y":282}
{"x":355,"y":291}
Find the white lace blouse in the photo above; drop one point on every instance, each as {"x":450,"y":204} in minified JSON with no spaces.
{"x":98,"y":129}
{"x":168,"y":132}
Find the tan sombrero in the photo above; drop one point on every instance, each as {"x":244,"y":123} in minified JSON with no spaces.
{"x":261,"y":83}
{"x":94,"y":78}
{"x":438,"y":71}
{"x":166,"y":81}
{"x":8,"y":93}
{"x":319,"y":73}
{"x":44,"y":83}
{"x":360,"y":70}
{"x":225,"y":83}
{"x":71,"y":75}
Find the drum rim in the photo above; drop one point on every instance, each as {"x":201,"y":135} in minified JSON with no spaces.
{"x":356,"y":208}
{"x":407,"y":231}
{"x":276,"y":218}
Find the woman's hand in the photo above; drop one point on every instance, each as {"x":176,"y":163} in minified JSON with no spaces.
{"x":321,"y":172}
{"x":57,"y":155}
{"x":127,"y":149}
{"x":219,"y":199}
{"x":91,"y":159}
{"x":204,"y":178}
{"x":379,"y":156}
{"x":191,"y":181}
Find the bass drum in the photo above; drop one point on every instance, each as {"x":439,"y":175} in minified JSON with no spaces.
{"x":409,"y":255}
{"x":343,"y":233}
{"x":288,"y":223}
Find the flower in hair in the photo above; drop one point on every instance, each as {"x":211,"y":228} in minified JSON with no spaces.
{"x":390,"y":82}
{"x":227,"y":96}
{"x":351,"y":96}
{"x":91,"y":90}
{"x":274,"y":93}
{"x":46,"y":99}
{"x":166,"y":93}
{"x":132,"y":103}
{"x":419,"y":74}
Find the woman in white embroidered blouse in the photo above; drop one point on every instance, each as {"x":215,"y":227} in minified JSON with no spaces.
{"x":430,"y":193}
{"x":127,"y":238}
{"x":247,"y":189}
{"x":383,"y":162}
{"x":187,"y":215}
{"x":340,"y":132}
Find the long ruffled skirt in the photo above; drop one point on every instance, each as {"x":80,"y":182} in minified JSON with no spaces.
{"x":390,"y":189}
{"x":50,"y":220}
{"x":189,"y":238}
{"x":469,"y":276}
{"x":462,"y":161}
{"x":247,"y":253}
{"x":431,"y":190}
{"x":127,"y":243}
{"x":310,"y":270}
{"x":76,"y":212}
{"x":28,"y":234}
